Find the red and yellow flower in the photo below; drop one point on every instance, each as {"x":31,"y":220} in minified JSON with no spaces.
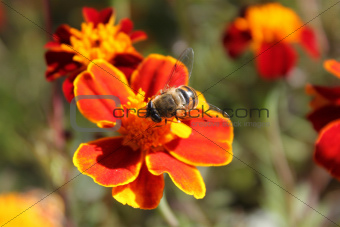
{"x":47,"y":213}
{"x":72,"y":49}
{"x":133,"y":163}
{"x":325,"y":117}
{"x":270,"y":30}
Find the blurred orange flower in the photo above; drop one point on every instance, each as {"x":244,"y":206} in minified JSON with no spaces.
{"x":133,"y":163}
{"x":325,"y":117}
{"x":14,"y":210}
{"x":72,"y":50}
{"x":269,"y":30}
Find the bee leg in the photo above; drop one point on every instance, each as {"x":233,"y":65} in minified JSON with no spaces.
{"x":166,"y":121}
{"x":178,"y":121}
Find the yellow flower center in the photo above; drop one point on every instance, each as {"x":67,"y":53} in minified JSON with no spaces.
{"x":270,"y":23}
{"x":141,"y":132}
{"x":101,"y":42}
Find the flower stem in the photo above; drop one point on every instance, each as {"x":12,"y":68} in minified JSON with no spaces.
{"x":277,"y":153}
{"x":48,"y":18}
{"x":167,"y":213}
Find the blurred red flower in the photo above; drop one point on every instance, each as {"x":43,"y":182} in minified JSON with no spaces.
{"x":270,"y":30}
{"x":72,"y":50}
{"x":325,"y":117}
{"x":133,"y":163}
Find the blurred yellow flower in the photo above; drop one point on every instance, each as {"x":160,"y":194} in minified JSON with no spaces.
{"x":18,"y":209}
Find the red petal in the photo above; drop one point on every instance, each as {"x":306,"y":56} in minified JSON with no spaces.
{"x":332,"y":94}
{"x":127,"y":63}
{"x":145,"y":192}
{"x":333,"y":67}
{"x":59,"y":64}
{"x":96,"y":17}
{"x":308,"y":41}
{"x":235,"y":41}
{"x":52,"y":45}
{"x":137,"y":36}
{"x":275,"y":60}
{"x":68,"y":88}
{"x":185,"y":177}
{"x":101,"y":78}
{"x":322,"y":116}
{"x":126,"y":25}
{"x":153,"y":73}
{"x":209,"y":143}
{"x":327,"y":148}
{"x":63,"y":34}
{"x":108,"y":162}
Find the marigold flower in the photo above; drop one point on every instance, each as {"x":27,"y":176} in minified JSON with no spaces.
{"x":72,"y":50}
{"x":325,"y":117}
{"x":47,"y":213}
{"x":269,"y":30}
{"x":133,"y":163}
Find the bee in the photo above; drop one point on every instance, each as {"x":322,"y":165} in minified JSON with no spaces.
{"x":172,"y":99}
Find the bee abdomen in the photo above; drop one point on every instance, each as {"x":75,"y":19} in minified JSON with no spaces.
{"x":190,"y":96}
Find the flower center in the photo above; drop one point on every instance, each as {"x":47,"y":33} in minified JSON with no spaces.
{"x":101,"y":42}
{"x":139,"y":131}
{"x":270,"y":23}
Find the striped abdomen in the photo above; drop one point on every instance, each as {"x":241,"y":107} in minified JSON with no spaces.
{"x":189,"y":96}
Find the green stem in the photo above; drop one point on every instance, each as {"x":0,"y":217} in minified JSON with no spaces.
{"x":277,"y":153}
{"x":167,"y":213}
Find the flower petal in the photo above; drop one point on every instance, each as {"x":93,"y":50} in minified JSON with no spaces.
{"x":59,"y":64}
{"x":145,"y":192}
{"x":101,"y":78}
{"x":322,"y":116}
{"x":63,"y":34}
{"x":153,"y":74}
{"x":108,"y":162}
{"x":209,"y":143}
{"x":126,"y":25}
{"x":308,"y":41}
{"x":68,"y":87}
{"x":333,"y":67}
{"x":323,"y":95}
{"x":137,"y":36}
{"x":185,"y":177}
{"x":275,"y":60}
{"x":181,"y":130}
{"x":327,"y":148}
{"x":96,"y":17}
{"x":235,"y":40}
{"x":127,"y":63}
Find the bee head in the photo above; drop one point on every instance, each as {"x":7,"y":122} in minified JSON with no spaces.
{"x":152,"y":112}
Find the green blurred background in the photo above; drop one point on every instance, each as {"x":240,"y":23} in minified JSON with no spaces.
{"x":268,"y":162}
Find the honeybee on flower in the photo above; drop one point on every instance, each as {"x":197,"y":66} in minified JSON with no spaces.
{"x":173,"y":98}
{"x":133,"y":164}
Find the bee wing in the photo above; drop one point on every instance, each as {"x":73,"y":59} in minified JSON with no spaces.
{"x":214,"y":116}
{"x":215,"y":108}
{"x":182,"y":68}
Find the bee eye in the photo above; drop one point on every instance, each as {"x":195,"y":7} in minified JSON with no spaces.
{"x":150,"y":105}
